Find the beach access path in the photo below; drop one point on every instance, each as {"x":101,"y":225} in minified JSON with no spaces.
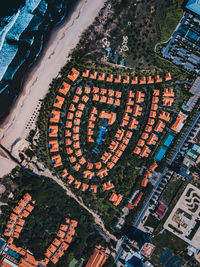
{"x":53,"y":57}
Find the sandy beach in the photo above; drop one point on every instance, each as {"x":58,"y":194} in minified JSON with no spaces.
{"x":54,"y":56}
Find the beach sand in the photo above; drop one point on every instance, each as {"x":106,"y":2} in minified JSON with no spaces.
{"x":53,"y":58}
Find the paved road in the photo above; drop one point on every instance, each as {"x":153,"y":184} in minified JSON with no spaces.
{"x":184,"y":138}
{"x":146,"y":206}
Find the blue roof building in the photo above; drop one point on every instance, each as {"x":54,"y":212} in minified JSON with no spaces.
{"x":194,"y":6}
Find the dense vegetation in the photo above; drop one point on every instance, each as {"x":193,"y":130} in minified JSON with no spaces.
{"x":51,"y":208}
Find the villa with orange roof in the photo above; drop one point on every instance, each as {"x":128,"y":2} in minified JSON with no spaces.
{"x":85,"y":73}
{"x":137,"y":111}
{"x":53,"y":130}
{"x":109,"y":78}
{"x":64,"y":89}
{"x":158,"y":79}
{"x":53,"y":146}
{"x":116,"y":199}
{"x":58,"y":102}
{"x":139,"y":97}
{"x":150,"y":80}
{"x":99,"y":257}
{"x":145,"y":152}
{"x":153,"y":167}
{"x":137,"y":150}
{"x":133,"y":124}
{"x":168,"y":76}
{"x":156,"y":92}
{"x":126,"y":80}
{"x":118,"y":78}
{"x":152,"y":139}
{"x":73,"y":75}
{"x":159,"y":127}
{"x":168,"y":92}
{"x":178,"y":123}
{"x":134,"y":80}
{"x":164,"y":116}
{"x":93,"y":75}
{"x":143,"y":80}
{"x":101,"y":77}
{"x":57,"y":161}
{"x":55,"y":116}
{"x":144,"y":182}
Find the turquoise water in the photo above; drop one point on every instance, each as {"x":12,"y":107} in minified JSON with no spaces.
{"x":168,"y":140}
{"x":161,"y":153}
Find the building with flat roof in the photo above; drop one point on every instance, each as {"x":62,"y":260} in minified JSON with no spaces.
{"x":194,"y":6}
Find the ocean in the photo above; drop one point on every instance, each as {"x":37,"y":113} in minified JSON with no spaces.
{"x":25,"y":26}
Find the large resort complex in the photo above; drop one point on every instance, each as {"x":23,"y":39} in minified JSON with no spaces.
{"x":107,"y":169}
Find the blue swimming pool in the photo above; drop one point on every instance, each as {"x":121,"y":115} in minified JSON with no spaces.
{"x":168,"y":140}
{"x":161,"y":153}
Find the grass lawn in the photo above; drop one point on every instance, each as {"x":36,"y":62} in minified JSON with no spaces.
{"x":172,"y":16}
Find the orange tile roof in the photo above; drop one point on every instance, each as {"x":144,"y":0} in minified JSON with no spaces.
{"x":110,"y":116}
{"x":76,"y":129}
{"x":72,"y":159}
{"x":75,"y":137}
{"x":77,"y":122}
{"x":52,"y":248}
{"x":93,"y":75}
{"x":152,"y":114}
{"x":130,"y":102}
{"x":69,"y":150}
{"x":53,"y":130}
{"x":29,"y":208}
{"x":68,"y":133}
{"x":53,"y":145}
{"x":134,"y":80}
{"x":84,"y":187}
{"x":54,"y":259}
{"x":168,"y":76}
{"x":58,"y":102}
{"x":179,"y":120}
{"x":103,"y":91}
{"x":101,"y":77}
{"x":18,"y":228}
{"x":95,"y":97}
{"x":141,"y":143}
{"x":93,"y":188}
{"x":22,"y":203}
{"x":107,"y":186}
{"x":118,"y":78}
{"x":152,"y":139}
{"x":64,"y":173}
{"x":85,"y":98}
{"x":90,"y":139}
{"x":85,"y":73}
{"x":148,"y":174}
{"x":98,"y":258}
{"x":111,"y":92}
{"x":57,"y":161}
{"x":81,"y":106}
{"x":110,"y":101}
{"x":68,"y":141}
{"x":122,"y":147}
{"x":48,"y":253}
{"x":137,"y":111}
{"x":54,"y":116}
{"x":154,"y":107}
{"x":88,"y":174}
{"x":77,"y":184}
{"x":109,"y":78}
{"x":143,"y":80}
{"x":75,"y":99}
{"x":78,"y":91}
{"x":126,"y":79}
{"x":116,"y":199}
{"x":156,"y":92}
{"x":145,"y":152}
{"x":87,"y":90}
{"x":56,"y":242}
{"x":119,"y":135}
{"x":117,"y":102}
{"x":68,"y":239}
{"x":144,"y":182}
{"x":106,"y":156}
{"x":95,"y":90}
{"x":137,"y":150}
{"x":150,"y":80}
{"x":110,"y":165}
{"x":153,"y":167}
{"x":82,"y":160}
{"x":168,"y":92}
{"x":151,"y":121}
{"x":164,"y":116}
{"x":155,"y":99}
{"x":64,"y":89}
{"x":167,"y":101}
{"x":68,"y":124}
{"x":133,"y":124}
{"x":70,"y":179}
{"x":64,"y":246}
{"x":73,"y":75}
{"x":118,"y":94}
{"x":98,"y":165}
{"x":139,"y":97}
{"x":77,"y":167}
{"x":103,"y":99}
{"x":148,"y":128}
{"x":159,"y":126}
{"x":158,"y":79}
{"x":145,"y":136}
{"x":72,"y":108}
{"x":118,"y":153}
{"x":25,"y":214}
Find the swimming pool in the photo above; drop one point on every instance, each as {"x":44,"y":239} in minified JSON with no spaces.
{"x":161,"y":153}
{"x":168,"y":140}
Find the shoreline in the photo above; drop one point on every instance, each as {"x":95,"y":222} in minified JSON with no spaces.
{"x":36,"y":82}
